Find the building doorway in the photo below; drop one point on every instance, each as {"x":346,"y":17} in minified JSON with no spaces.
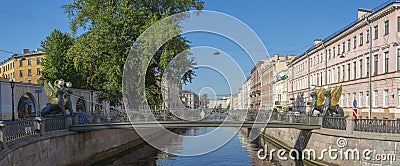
{"x":27,"y":106}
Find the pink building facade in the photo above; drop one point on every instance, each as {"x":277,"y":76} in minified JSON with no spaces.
{"x":346,"y":58}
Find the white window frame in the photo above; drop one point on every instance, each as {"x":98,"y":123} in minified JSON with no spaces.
{"x":385,"y":98}
{"x":398,"y":98}
{"x":376,"y":98}
{"x":360,"y":99}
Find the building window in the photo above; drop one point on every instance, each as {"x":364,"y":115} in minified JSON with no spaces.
{"x":355,"y":70}
{"x":348,"y":45}
{"x":21,"y":63}
{"x":386,"y":27}
{"x":29,"y":62}
{"x":398,"y":59}
{"x":329,"y":76}
{"x":386,"y":65}
{"x":343,"y":72}
{"x":361,"y":68}
{"x":367,"y":99}
{"x":376,"y":32}
{"x":338,"y":49}
{"x":398,"y":24}
{"x":348,"y":71}
{"x":385,"y":98}
{"x":38,"y":61}
{"x":344,"y":47}
{"x":355,"y":42}
{"x":368,"y":36}
{"x":321,"y":78}
{"x":348,"y":100}
{"x":334,"y":52}
{"x":29,"y":72}
{"x":360,"y":99}
{"x":361,"y":39}
{"x":338,"y":74}
{"x":398,"y":96}
{"x":342,"y":100}
{"x":329,"y":54}
{"x":38,"y":71}
{"x":21,"y":73}
{"x":368,"y":66}
{"x":375,"y":98}
{"x":376,"y":61}
{"x":322,"y":58}
{"x":29,"y":81}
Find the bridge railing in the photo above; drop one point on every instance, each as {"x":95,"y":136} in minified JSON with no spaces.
{"x":291,"y":117}
{"x":57,"y":123}
{"x":12,"y":132}
{"x":377,"y":125}
{"x":338,"y":123}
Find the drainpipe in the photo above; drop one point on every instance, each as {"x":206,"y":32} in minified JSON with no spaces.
{"x":293,"y":88}
{"x":326,"y":63}
{"x":370,"y":66}
{"x":308,"y":70}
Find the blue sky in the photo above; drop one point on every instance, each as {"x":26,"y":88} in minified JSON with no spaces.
{"x":285,"y":26}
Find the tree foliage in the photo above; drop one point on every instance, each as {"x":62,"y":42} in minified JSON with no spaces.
{"x":110,"y":28}
{"x":57,"y":64}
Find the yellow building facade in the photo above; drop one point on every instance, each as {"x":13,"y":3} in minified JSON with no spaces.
{"x":26,"y":67}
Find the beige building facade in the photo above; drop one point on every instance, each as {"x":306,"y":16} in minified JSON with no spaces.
{"x":25,"y":67}
{"x":370,"y":46}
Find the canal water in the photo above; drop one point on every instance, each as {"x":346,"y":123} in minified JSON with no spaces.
{"x":237,"y":151}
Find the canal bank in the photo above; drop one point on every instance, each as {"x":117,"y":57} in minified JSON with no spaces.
{"x":68,"y":148}
{"x":344,"y":141}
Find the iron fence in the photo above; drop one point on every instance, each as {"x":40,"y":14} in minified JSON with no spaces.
{"x":377,"y":125}
{"x":338,"y":123}
{"x":59,"y":123}
{"x":17,"y":129}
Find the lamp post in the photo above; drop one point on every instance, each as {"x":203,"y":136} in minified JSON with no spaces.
{"x":12,"y":83}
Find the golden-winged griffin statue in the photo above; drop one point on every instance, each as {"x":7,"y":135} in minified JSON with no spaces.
{"x":326,"y":101}
{"x":59,"y":99}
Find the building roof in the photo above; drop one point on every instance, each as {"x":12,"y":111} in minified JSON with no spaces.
{"x":30,"y":53}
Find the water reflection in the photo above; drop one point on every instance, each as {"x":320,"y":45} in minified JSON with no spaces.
{"x":238,"y":151}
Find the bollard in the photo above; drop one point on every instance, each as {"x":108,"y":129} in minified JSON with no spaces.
{"x":37,"y":125}
{"x":68,"y":121}
{"x":350,"y":124}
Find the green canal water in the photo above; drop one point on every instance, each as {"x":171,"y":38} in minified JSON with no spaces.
{"x":237,"y":151}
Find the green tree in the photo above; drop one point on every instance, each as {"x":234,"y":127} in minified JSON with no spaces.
{"x":110,"y":27}
{"x":57,"y":64}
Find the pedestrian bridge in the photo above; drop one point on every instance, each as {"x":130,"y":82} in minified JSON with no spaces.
{"x":237,"y":119}
{"x":188,"y":124}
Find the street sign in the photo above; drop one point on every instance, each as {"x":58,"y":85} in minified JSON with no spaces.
{"x":38,"y":90}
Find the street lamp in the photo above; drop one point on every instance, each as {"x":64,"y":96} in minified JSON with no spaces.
{"x":12,"y":83}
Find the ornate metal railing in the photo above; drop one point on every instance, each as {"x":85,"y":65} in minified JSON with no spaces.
{"x":51,"y":124}
{"x":377,"y":125}
{"x":338,"y":123}
{"x":13,"y":130}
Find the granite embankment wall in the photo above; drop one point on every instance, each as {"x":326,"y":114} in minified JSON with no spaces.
{"x":377,"y":145}
{"x":69,"y":148}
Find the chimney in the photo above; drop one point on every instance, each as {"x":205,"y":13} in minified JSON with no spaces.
{"x":362,"y":13}
{"x":317,"y":42}
{"x":276,"y":56}
{"x":25,"y":51}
